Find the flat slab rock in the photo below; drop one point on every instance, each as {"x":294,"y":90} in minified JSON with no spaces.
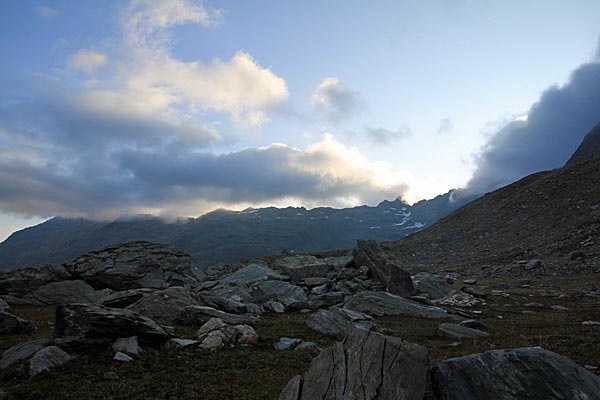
{"x":165,"y":305}
{"x":365,"y":366}
{"x":66,"y":292}
{"x":339,"y":322}
{"x":302,"y":267}
{"x":199,"y":315}
{"x":383,"y":303}
{"x":457,"y":331}
{"x":529,"y":373}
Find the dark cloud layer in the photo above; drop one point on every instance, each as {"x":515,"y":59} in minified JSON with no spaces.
{"x":555,"y":127}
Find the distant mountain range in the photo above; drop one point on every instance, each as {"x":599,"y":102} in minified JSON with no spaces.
{"x":224,"y":236}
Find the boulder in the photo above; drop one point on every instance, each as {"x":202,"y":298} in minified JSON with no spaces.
{"x":21,"y":282}
{"x":231,"y":305}
{"x":4,"y":306}
{"x":529,"y":373}
{"x":122,"y":357}
{"x":339,"y":322}
{"x":461,"y":331}
{"x":431,"y":286}
{"x":123,"y":298}
{"x":365,"y":366}
{"x":165,"y":305}
{"x":291,"y":296}
{"x":285,"y":343}
{"x":128,"y":345}
{"x":23,"y":351}
{"x":10,"y":324}
{"x":84,"y":325}
{"x":458,"y":298}
{"x":47,"y":359}
{"x":251,"y":274}
{"x":274,"y":307}
{"x":327,"y":299}
{"x":302,"y":267}
{"x":394,"y":279}
{"x":199,"y":315}
{"x":337,"y":263}
{"x":66,"y":292}
{"x":135,"y":265}
{"x":383,"y":303}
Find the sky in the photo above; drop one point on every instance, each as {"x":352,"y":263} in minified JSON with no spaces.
{"x":175,"y":108}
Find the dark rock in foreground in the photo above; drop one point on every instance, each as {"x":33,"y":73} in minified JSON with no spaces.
{"x":84,"y":325}
{"x":23,"y":351}
{"x":394,"y":279}
{"x":48,"y":358}
{"x":11,"y":324}
{"x":529,"y":373}
{"x":365,"y":366}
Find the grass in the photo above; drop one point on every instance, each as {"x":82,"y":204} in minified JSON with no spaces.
{"x":259,"y":372}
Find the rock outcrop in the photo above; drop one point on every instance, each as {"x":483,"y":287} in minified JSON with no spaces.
{"x":529,"y":373}
{"x":339,"y":322}
{"x":383,"y":303}
{"x":165,"y":305}
{"x":365,"y":366}
{"x":66,"y":292}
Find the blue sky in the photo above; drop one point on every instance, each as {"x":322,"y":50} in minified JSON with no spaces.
{"x":178,"y":107}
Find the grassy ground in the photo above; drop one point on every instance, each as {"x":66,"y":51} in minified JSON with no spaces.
{"x":259,"y":372}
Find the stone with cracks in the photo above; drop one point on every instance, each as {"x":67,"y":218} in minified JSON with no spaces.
{"x":394,"y":279}
{"x":165,"y":305}
{"x":383,"y":303}
{"x":47,"y":359}
{"x":365,"y":366}
{"x":66,"y":292}
{"x":339,"y":322}
{"x":84,"y":325}
{"x":529,"y":373}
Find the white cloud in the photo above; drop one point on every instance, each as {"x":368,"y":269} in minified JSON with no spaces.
{"x":87,"y":60}
{"x":335,"y":100}
{"x":46,"y":12}
{"x":384,"y":137}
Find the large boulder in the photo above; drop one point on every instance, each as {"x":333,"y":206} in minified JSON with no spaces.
{"x":199,"y":315}
{"x":66,"y":292}
{"x":135,"y":265}
{"x":383,"y":303}
{"x":431,"y":286}
{"x":11,"y":324}
{"x":165,"y":305}
{"x":339,"y":322}
{"x":48,"y":358}
{"x":21,"y":282}
{"x":84,"y":324}
{"x":365,"y":366}
{"x":23,"y":351}
{"x":302,"y":267}
{"x":394,"y":279}
{"x":288,"y":294}
{"x":530,"y":373}
{"x":250,"y":274}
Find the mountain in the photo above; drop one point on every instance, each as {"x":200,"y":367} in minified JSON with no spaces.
{"x":553,"y":216}
{"x":225,"y":236}
{"x":588,"y":149}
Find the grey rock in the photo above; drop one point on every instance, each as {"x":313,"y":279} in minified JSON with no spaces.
{"x":365,"y":366}
{"x":471,"y":281}
{"x":4,"y":306}
{"x":274,"y":307}
{"x":532,"y":264}
{"x":212,"y":343}
{"x":231,"y":305}
{"x":181,"y":343}
{"x":123,"y":298}
{"x":319,"y":290}
{"x":252,"y":273}
{"x":66,"y":292}
{"x":21,"y":282}
{"x":318,"y":281}
{"x":302,"y":267}
{"x":337,"y":263}
{"x":134,"y":265}
{"x":47,"y":359}
{"x":110,"y":376}
{"x":285,"y":343}
{"x":11,"y":324}
{"x":199,"y":315}
{"x":122,"y":357}
{"x":457,"y":331}
{"x":434,"y":286}
{"x":529,"y":373}
{"x":339,"y":322}
{"x":559,"y":308}
{"x":591,"y":323}
{"x":383,"y":303}
{"x":328,"y":299}
{"x":308,"y":346}
{"x":23,"y":351}
{"x":165,"y":305}
{"x":84,"y":325}
{"x":394,"y":279}
{"x":289,"y":295}
{"x":128,"y":345}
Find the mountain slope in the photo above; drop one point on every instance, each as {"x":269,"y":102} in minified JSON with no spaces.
{"x":546,"y":216}
{"x":227,"y":236}
{"x":588,"y":149}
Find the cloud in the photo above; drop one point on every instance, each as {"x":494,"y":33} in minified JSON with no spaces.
{"x":446,"y":126}
{"x":384,"y":137}
{"x":87,"y":60}
{"x":46,"y":12}
{"x":551,"y":131}
{"x":336,"y":101}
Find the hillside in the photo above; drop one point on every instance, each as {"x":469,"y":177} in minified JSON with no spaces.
{"x":224,"y":236}
{"x":553,"y":216}
{"x":588,"y":149}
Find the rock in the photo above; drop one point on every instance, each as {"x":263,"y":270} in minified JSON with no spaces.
{"x":339,"y":322}
{"x":319,"y":290}
{"x":123,"y":298}
{"x":23,"y":351}
{"x":274,"y":307}
{"x":327,"y":299}
{"x":365,"y":366}
{"x":576,"y":255}
{"x":458,"y":298}
{"x":471,"y":281}
{"x":110,"y":376}
{"x":122,"y":357}
{"x":302,"y":267}
{"x":559,"y":308}
{"x":591,"y":323}
{"x":525,"y":374}
{"x":290,"y":295}
{"x":84,"y":325}
{"x":10,"y":324}
{"x":337,"y":263}
{"x":434,"y":286}
{"x":308,"y":346}
{"x":181,"y":343}
{"x":245,"y":334}
{"x":251,"y":274}
{"x":285,"y":343}
{"x":134,"y":265}
{"x":198,"y":315}
{"x":165,"y":305}
{"x":4,"y":306}
{"x":127,"y":345}
{"x":474,"y":292}
{"x":66,"y":292}
{"x":394,"y":279}
{"x":532,"y":264}
{"x":24,"y":281}
{"x":231,"y":305}
{"x":48,"y":358}
{"x":471,"y":323}
{"x":213,"y":342}
{"x":383,"y":303}
{"x":456,"y":331}
{"x":318,"y":281}
{"x":212,"y":324}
